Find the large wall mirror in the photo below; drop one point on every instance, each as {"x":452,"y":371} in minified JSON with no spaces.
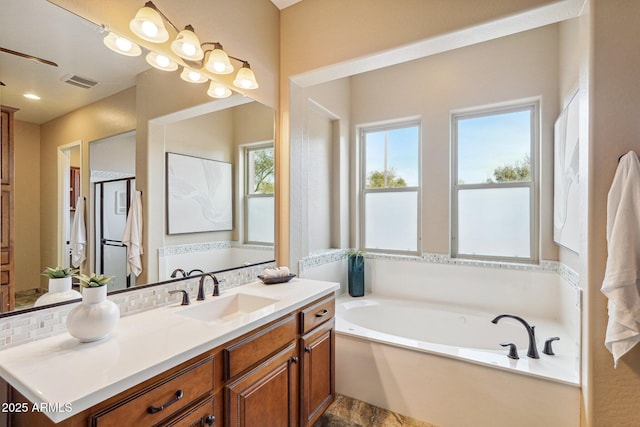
{"x":103,"y":142}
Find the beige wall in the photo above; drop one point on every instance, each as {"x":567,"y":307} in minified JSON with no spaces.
{"x":615,"y":129}
{"x":521,"y":66}
{"x":27,"y":205}
{"x":331,"y":101}
{"x":322,"y":33}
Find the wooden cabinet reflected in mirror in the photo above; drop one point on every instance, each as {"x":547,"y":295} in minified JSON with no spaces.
{"x":6,"y":211}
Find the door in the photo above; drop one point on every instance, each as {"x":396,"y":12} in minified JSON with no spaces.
{"x":112,"y":201}
{"x":266,"y":396}
{"x":318,"y":373}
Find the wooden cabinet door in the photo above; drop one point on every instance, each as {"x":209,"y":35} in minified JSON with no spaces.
{"x":266,"y":396}
{"x":318,"y":373}
{"x":6,"y":211}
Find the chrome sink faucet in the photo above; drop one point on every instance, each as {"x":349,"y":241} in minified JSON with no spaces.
{"x":216,"y":291}
{"x":533,"y":350}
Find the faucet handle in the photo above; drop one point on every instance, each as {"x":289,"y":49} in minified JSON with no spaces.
{"x":547,"y":346}
{"x":513,"y":351}
{"x":185,"y":296}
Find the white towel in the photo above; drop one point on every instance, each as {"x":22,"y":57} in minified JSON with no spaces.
{"x":622,"y":276}
{"x":132,"y":238}
{"x":78,"y":240}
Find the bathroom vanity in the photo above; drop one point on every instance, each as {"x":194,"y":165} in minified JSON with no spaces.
{"x":255,"y":356}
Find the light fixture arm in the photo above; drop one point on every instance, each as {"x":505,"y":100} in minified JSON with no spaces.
{"x":154,"y":7}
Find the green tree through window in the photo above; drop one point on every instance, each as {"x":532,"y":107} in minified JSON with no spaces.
{"x":263,"y":171}
{"x":376,"y":179}
{"x":518,"y":171}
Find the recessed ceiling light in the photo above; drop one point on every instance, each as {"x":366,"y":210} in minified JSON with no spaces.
{"x":32,"y":96}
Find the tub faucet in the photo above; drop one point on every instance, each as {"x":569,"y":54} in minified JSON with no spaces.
{"x":533,"y":350}
{"x":216,"y":291}
{"x":176,"y":271}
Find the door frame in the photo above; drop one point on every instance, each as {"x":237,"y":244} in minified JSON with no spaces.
{"x":62,"y":213}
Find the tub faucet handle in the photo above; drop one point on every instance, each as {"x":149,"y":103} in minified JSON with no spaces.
{"x":547,"y":346}
{"x":532,"y":352}
{"x":513,"y":351}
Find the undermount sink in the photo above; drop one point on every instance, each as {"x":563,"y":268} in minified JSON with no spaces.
{"x":229,"y":307}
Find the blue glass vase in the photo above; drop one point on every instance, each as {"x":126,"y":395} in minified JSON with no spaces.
{"x":356,"y":275}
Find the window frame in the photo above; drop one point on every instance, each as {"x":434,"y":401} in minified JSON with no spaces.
{"x":406,"y":123}
{"x":247,"y":149}
{"x":534,"y":239}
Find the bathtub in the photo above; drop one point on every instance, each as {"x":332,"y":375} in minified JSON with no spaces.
{"x":445,"y":366}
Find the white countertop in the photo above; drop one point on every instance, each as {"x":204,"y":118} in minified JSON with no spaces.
{"x":61,"y":370}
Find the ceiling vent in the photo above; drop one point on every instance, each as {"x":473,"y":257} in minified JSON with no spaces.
{"x":78,"y":81}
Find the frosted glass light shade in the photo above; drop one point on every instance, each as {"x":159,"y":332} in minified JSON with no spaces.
{"x":245,"y":79}
{"x":218,"y":90}
{"x":187,"y":45}
{"x":218,"y":62}
{"x":121,"y":45}
{"x":192,"y":76}
{"x":148,"y":25}
{"x":161,"y":62}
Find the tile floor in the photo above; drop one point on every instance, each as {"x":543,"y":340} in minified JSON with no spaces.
{"x":348,"y":412}
{"x":26,"y":299}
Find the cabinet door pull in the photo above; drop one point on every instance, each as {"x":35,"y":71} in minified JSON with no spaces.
{"x":294,"y":359}
{"x":153,"y":409}
{"x":322,"y":313}
{"x":307,"y":349}
{"x":210,"y":420}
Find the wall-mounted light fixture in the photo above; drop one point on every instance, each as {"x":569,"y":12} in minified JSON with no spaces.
{"x":190,"y":53}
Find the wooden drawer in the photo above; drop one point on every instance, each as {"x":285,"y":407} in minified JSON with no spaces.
{"x":138,"y":410}
{"x":247,"y":353}
{"x":202,"y":414}
{"x":4,"y":257}
{"x":317,"y":314}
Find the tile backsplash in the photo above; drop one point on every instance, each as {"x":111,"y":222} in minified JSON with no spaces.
{"x":22,"y":328}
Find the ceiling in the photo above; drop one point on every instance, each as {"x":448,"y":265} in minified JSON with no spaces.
{"x":284,"y":3}
{"x":39,"y":28}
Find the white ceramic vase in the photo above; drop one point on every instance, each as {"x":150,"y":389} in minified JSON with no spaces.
{"x":59,"y":290}
{"x":95,"y":317}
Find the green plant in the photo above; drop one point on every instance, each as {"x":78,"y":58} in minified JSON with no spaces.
{"x":93,"y":281}
{"x":59,"y":272}
{"x":355,"y":253}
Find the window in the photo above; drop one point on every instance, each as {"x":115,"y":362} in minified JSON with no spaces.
{"x":494,"y":184}
{"x":391,"y":188}
{"x":259,"y":189}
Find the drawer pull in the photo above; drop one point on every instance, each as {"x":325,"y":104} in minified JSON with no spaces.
{"x":294,"y":359}
{"x":322,"y":313}
{"x":307,"y":349}
{"x":153,"y":409}
{"x":210,"y":420}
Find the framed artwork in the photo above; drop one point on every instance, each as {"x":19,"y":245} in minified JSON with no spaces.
{"x":566,"y":161}
{"x":199,"y":194}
